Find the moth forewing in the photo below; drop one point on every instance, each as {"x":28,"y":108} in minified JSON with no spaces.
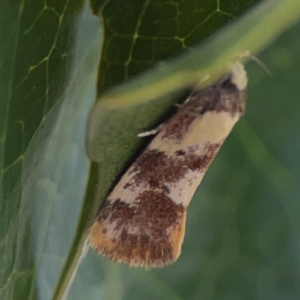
{"x":142,"y":222}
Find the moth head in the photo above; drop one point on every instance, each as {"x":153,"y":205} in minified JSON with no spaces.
{"x":238,"y":75}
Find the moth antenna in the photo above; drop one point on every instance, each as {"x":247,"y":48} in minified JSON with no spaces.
{"x":255,"y":59}
{"x":260,"y":63}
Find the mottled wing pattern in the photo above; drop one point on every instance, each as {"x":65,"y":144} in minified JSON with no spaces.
{"x":142,"y":222}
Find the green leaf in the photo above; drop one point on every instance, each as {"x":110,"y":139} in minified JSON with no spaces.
{"x":241,"y":240}
{"x":140,"y":35}
{"x":48,"y":65}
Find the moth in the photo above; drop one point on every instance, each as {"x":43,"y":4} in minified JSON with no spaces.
{"x":142,"y":221}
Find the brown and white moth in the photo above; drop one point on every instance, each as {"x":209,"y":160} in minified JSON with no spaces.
{"x":142,"y":222}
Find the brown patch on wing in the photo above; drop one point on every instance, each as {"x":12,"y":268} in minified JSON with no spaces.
{"x":147,"y":233}
{"x":157,"y":169}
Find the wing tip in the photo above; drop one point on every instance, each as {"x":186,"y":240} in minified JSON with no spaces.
{"x":154,"y":255}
